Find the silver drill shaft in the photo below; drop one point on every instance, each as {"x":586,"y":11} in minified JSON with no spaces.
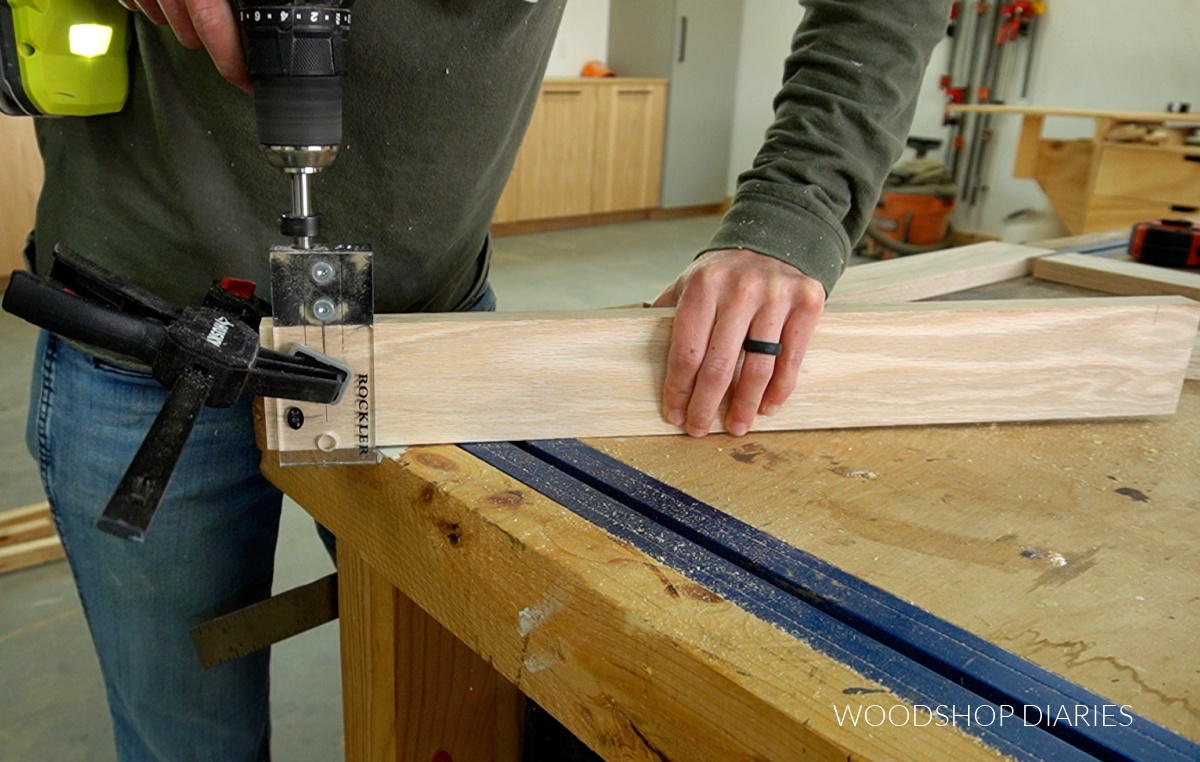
{"x":301,"y":204}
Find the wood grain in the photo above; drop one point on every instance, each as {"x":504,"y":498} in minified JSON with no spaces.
{"x":26,"y":554}
{"x":488,"y":377}
{"x":1028,"y":146}
{"x":1066,"y":171}
{"x":368,"y":628}
{"x":1110,"y":212}
{"x":630,"y":119}
{"x":25,"y":513}
{"x":1168,"y":177}
{"x":556,"y":171}
{"x":1122,"y":275}
{"x":1072,"y":545}
{"x":412,"y":688}
{"x":907,"y":279}
{"x":1117,"y":275}
{"x":19,"y":192}
{"x":33,"y":529}
{"x":636,"y":660}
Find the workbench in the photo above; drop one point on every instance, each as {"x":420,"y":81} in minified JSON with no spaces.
{"x":1074,"y":546}
{"x":1106,"y":182}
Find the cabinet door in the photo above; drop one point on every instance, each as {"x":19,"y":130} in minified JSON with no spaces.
{"x":629,"y":144}
{"x":22,"y":168}
{"x":554,"y":170}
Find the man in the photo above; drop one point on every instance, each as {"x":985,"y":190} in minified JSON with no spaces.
{"x":172,"y":193}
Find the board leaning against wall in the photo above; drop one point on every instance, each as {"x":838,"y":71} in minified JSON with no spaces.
{"x":18,"y":194}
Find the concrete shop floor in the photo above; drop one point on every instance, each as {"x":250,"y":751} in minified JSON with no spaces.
{"x":52,"y":706}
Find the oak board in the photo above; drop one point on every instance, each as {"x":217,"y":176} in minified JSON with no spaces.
{"x":489,"y":377}
{"x":1122,"y":275}
{"x":907,"y":279}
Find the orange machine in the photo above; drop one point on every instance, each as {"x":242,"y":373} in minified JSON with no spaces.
{"x":913,"y":213}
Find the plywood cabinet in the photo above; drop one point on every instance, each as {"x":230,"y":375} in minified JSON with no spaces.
{"x":1106,"y":182}
{"x":554,"y":172}
{"x":593,"y":146}
{"x":22,"y":169}
{"x":629,"y":146}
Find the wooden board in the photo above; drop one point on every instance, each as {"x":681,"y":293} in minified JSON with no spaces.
{"x":1066,"y":172}
{"x":907,"y":279}
{"x":1109,"y":212}
{"x":1123,"y":276}
{"x":487,"y":377}
{"x":19,"y":192}
{"x":635,"y":659}
{"x":1117,"y":275}
{"x":32,"y":553}
{"x":33,"y":529}
{"x":25,"y":513}
{"x":406,"y":706}
{"x":1072,"y":545}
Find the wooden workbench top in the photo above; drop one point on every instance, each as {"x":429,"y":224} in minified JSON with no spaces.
{"x":1076,"y":546}
{"x":1073,"y":545}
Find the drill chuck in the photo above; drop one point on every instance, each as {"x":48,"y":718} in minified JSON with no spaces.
{"x":296,"y":56}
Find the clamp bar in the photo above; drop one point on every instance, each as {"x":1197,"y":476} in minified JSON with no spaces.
{"x":63,"y":313}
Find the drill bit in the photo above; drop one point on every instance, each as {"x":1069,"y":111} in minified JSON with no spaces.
{"x":301,"y":204}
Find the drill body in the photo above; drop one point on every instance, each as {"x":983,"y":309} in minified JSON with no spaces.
{"x":71,"y":58}
{"x":63,"y":57}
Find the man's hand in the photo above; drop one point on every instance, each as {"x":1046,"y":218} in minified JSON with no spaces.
{"x":723,"y":298}
{"x":207,"y":23}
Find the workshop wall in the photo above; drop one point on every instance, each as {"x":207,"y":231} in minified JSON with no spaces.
{"x":767,"y":29}
{"x":1092,"y":54}
{"x":1107,"y":54}
{"x":582,"y":37}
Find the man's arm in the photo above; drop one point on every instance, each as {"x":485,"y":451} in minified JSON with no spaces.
{"x":841,"y":119}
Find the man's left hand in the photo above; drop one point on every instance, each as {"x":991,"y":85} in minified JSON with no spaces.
{"x":722,"y":299}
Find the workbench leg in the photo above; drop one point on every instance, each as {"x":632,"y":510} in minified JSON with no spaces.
{"x":413,"y":692}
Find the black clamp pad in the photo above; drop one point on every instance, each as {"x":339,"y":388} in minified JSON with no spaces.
{"x":295,"y":226}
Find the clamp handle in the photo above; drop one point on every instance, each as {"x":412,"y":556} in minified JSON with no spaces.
{"x":132,"y":507}
{"x":46,"y":306}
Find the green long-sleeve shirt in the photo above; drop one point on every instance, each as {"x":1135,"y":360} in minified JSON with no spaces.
{"x":173,"y":191}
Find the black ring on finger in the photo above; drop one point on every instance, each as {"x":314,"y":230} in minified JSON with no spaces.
{"x":772,"y":348}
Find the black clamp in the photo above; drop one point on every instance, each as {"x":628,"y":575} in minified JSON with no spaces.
{"x":207,"y":355}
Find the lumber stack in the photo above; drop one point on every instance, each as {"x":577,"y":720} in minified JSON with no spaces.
{"x":27,"y":538}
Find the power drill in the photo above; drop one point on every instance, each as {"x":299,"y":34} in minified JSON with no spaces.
{"x":296,"y":57}
{"x":70,"y":58}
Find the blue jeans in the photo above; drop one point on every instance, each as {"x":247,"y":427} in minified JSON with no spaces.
{"x":210,"y":550}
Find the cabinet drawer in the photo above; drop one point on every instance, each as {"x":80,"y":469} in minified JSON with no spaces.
{"x":1164,"y":176}
{"x":1106,"y":213}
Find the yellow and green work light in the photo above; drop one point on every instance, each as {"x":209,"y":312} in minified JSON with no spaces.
{"x":63,"y":57}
